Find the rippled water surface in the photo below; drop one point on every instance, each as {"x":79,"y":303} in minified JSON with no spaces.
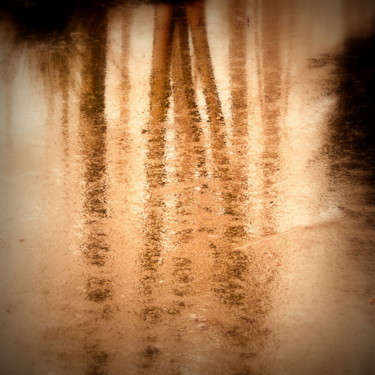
{"x":188,"y":189}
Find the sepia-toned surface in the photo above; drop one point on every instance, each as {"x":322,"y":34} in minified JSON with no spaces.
{"x":189,"y":190}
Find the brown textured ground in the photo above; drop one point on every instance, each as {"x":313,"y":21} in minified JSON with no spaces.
{"x":189,"y":190}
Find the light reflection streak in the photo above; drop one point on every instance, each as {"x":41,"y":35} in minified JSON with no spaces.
{"x":187,"y":115}
{"x":196,"y":19}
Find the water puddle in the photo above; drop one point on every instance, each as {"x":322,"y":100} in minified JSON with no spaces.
{"x":187,"y":188}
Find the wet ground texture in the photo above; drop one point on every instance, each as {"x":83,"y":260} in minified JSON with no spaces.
{"x":187,"y":188}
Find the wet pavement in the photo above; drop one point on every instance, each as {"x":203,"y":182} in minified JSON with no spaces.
{"x":189,"y":189}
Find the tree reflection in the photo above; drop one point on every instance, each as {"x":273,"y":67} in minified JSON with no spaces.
{"x":93,"y":135}
{"x":270,"y":87}
{"x":235,"y":280}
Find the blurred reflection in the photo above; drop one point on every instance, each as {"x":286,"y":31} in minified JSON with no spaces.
{"x":239,"y":22}
{"x":93,"y":135}
{"x":151,"y":313}
{"x":125,"y":74}
{"x":187,"y":118}
{"x":353,"y":135}
{"x":235,"y":281}
{"x":191,"y":136}
{"x":8,"y":77}
{"x":270,"y":87}
{"x":197,"y":24}
{"x":64,"y":87}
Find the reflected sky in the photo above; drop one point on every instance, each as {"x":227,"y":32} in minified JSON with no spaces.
{"x":181,"y":193}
